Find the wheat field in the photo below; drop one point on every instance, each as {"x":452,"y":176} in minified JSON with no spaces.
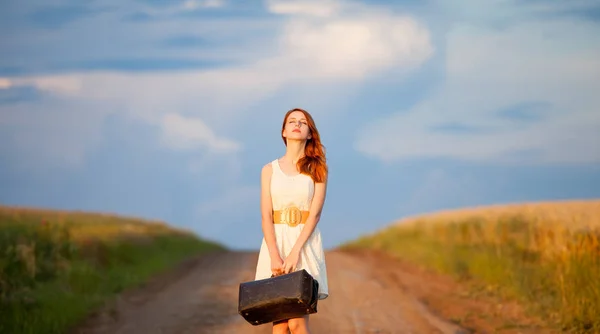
{"x":546,"y":255}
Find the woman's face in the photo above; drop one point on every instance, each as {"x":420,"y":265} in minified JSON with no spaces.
{"x":296,"y":127}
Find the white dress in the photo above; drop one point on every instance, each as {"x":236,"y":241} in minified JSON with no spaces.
{"x":296,"y":191}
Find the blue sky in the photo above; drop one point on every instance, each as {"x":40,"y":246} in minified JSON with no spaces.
{"x":169,"y":109}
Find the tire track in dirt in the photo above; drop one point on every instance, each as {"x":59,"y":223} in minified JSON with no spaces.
{"x":201,"y":297}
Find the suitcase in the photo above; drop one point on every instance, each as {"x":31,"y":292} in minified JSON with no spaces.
{"x":285,"y":296}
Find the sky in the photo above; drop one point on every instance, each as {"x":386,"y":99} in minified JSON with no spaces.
{"x":169,"y":109}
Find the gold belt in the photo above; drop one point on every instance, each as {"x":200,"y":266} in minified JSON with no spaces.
{"x":291,"y":216}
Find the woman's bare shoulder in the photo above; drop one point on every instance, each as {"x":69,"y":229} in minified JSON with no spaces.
{"x":267,"y":168}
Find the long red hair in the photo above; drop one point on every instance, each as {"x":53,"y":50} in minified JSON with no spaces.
{"x":314,"y":162}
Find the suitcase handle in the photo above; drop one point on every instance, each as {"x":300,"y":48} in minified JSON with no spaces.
{"x":273,"y":275}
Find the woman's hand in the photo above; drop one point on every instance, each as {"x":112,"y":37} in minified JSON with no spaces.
{"x":276,"y":265}
{"x":291,"y":261}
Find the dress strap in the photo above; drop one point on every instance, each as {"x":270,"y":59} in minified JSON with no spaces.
{"x":275,"y":165}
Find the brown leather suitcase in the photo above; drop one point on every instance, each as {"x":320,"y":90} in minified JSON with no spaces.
{"x":281,"y":297}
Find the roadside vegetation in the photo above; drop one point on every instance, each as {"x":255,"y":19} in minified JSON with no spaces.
{"x":544,"y":255}
{"x":56,"y":266}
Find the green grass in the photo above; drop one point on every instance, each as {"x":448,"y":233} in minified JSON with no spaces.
{"x":57,"y":267}
{"x":551,"y":270}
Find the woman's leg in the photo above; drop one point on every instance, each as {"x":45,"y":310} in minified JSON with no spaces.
{"x":281,"y":327}
{"x":299,"y":325}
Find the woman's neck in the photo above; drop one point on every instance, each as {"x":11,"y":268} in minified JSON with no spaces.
{"x":294,"y":151}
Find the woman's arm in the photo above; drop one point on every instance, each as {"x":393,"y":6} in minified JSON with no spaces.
{"x":316,"y":208}
{"x":266,"y":209}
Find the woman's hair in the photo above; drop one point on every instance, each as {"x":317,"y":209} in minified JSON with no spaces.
{"x":314,"y":162}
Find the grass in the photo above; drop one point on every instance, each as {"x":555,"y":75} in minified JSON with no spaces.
{"x":545,"y":255}
{"x":56,"y":266}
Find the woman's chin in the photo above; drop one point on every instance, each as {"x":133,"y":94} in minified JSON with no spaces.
{"x":297,"y":137}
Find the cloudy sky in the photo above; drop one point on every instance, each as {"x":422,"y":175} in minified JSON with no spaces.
{"x":169,"y":109}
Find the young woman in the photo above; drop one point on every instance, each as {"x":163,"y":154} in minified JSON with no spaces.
{"x":293,"y":189}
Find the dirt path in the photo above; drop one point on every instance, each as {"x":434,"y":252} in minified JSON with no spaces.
{"x":202,"y":295}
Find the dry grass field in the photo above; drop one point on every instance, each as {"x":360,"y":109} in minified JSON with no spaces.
{"x":544,"y":255}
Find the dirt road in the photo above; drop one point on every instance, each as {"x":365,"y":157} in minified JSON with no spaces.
{"x":202,"y":296}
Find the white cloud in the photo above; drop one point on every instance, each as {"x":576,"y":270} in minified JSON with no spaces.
{"x":68,"y":85}
{"x":341,"y":40}
{"x":554,"y":62}
{"x":180,"y":132}
{"x":353,"y":47}
{"x":5,"y":83}
{"x":183,"y":6}
{"x":194,"y":4}
{"x":321,"y":8}
{"x":186,"y":108}
{"x":348,"y":44}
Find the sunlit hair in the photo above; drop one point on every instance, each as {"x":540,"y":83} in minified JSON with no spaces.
{"x":314,"y":162}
